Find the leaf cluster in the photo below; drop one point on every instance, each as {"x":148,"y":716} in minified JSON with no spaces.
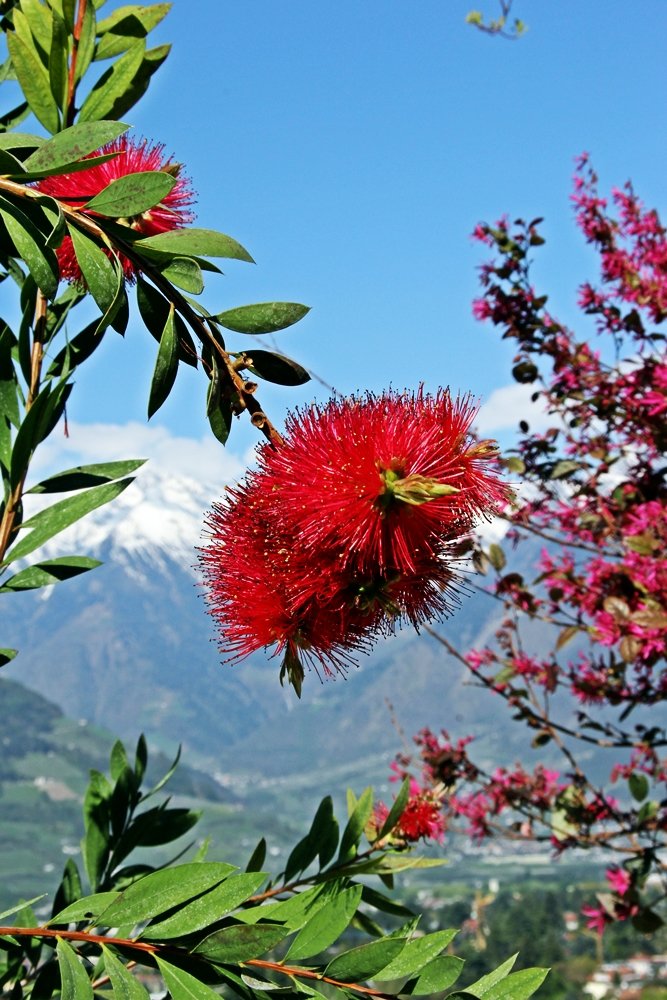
{"x":205,"y":924}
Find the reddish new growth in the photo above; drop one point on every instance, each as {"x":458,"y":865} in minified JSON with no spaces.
{"x":131,"y":157}
{"x":348,"y":528}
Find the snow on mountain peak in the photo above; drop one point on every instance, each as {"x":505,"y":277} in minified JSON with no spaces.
{"x":158,"y":517}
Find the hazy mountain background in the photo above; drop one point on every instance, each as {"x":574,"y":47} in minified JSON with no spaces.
{"x":130,"y":646}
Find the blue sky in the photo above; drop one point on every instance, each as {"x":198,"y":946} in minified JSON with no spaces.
{"x":352,"y":146}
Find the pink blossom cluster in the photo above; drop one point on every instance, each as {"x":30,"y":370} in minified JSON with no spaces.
{"x":596,"y":505}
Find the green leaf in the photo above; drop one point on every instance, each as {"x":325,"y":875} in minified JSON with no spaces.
{"x":327,"y":924}
{"x":33,"y":78}
{"x":98,"y":271}
{"x":276,"y":368}
{"x":132,"y":194}
{"x":518,"y":985}
{"x":437,"y":975}
{"x":566,"y":467}
{"x":21,"y":906}
{"x":73,"y":144}
{"x":125,"y":986}
{"x":86,"y":44}
{"x":122,"y":28}
{"x":70,"y":888}
{"x":191,"y":242}
{"x":264,"y":317}
{"x":417,"y":954}
{"x":59,"y":516}
{"x":49,"y":572}
{"x":185,"y":273}
{"x":58,"y":60}
{"x":209,"y":908}
{"x":638,"y":785}
{"x":496,"y":557}
{"x":356,"y":825}
{"x":114,"y":84}
{"x":159,"y":891}
{"x":6,"y":656}
{"x":155,"y":310}
{"x":183,"y":986}
{"x":40,"y":259}
{"x":240,"y":942}
{"x":74,"y":979}
{"x":84,"y":476}
{"x":90,"y":908}
{"x":397,"y":809}
{"x":20,"y":140}
{"x":364,"y":962}
{"x":483,"y":985}
{"x":166,"y":366}
{"x":258,"y":857}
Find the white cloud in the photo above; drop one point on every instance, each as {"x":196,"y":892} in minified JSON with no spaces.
{"x":204,"y":460}
{"x":506,"y":406}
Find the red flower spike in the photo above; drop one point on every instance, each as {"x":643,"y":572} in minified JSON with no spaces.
{"x":384,"y":480}
{"x":131,"y":157}
{"x":262,"y":592}
{"x":348,"y":528}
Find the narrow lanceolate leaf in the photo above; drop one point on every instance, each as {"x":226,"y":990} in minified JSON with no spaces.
{"x":73,"y":144}
{"x":50,"y":571}
{"x":483,"y":985}
{"x":417,"y":953}
{"x":98,"y":271}
{"x":356,"y":825}
{"x":208,"y":908}
{"x":113,"y":85}
{"x":364,"y":962}
{"x":397,"y":809}
{"x":75,"y":984}
{"x":132,"y":194}
{"x":89,"y":908}
{"x":83,"y":476}
{"x":161,"y":890}
{"x":196,"y":242}
{"x":518,"y":985}
{"x":33,"y":78}
{"x":327,"y":925}
{"x":29,"y":242}
{"x":6,"y":656}
{"x":439,"y":974}
{"x":277,"y":368}
{"x":264,"y":317}
{"x":125,"y":986}
{"x":58,"y":60}
{"x":59,"y":516}
{"x":183,"y":986}
{"x":240,"y":942}
{"x":21,"y":906}
{"x":122,"y":28}
{"x":166,"y":366}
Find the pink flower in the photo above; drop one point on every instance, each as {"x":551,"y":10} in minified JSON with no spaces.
{"x":75,"y":189}
{"x":597,"y":918}
{"x":619,"y":880}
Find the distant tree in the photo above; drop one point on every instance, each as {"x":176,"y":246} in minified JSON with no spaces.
{"x":591,"y":491}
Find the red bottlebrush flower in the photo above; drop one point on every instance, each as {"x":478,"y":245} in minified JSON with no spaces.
{"x":422,"y":817}
{"x":263,"y":591}
{"x":349,"y":527}
{"x":383,"y":481}
{"x":131,"y":157}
